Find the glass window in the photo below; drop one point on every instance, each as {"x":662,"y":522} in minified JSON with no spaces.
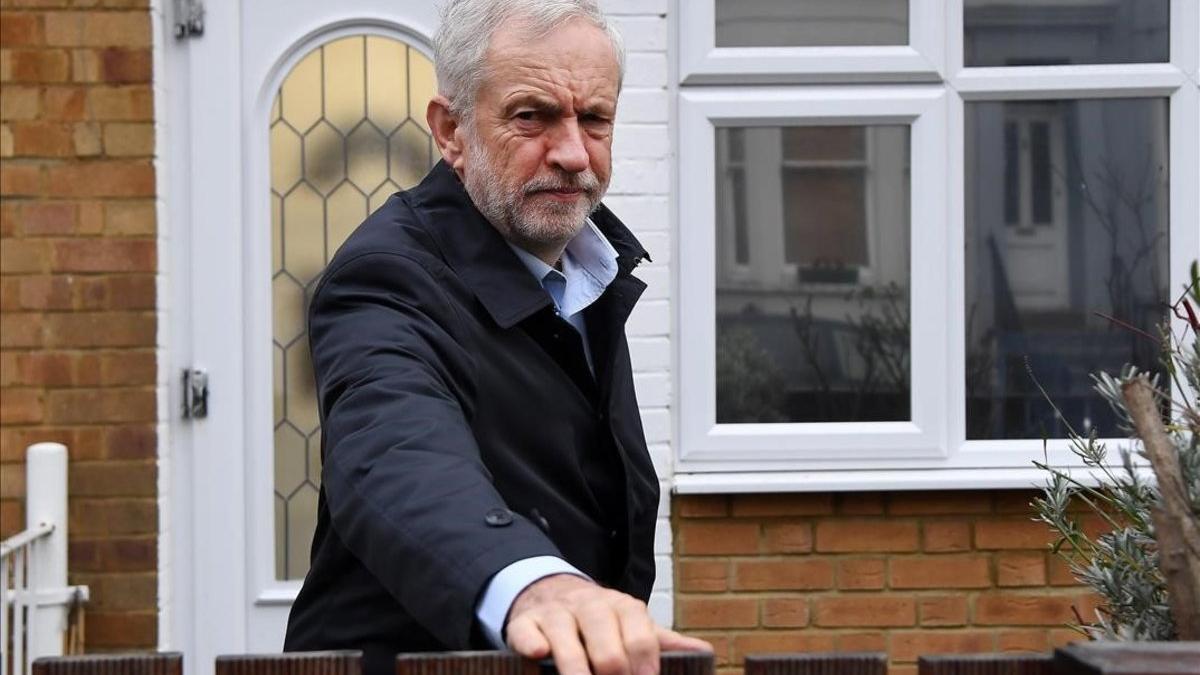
{"x":347,"y":129}
{"x":815,"y":23}
{"x":813,"y":324}
{"x":1059,"y":32}
{"x":1066,"y":260}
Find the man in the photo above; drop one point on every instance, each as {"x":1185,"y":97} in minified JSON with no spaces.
{"x":486,"y":480}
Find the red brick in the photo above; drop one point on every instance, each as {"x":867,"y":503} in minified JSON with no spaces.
{"x":127,"y":368}
{"x":122,"y":630}
{"x":129,"y":139}
{"x":41,"y":139}
{"x":865,"y":611}
{"x":946,"y":536}
{"x":859,"y":574}
{"x":66,"y":103}
{"x":21,"y":179}
{"x":86,"y":406}
{"x":112,"y":479}
{"x":701,"y":506}
{"x":702,"y":575}
{"x":1014,"y":501}
{"x":1059,"y":572}
{"x":97,"y":517}
{"x":1024,"y":609}
{"x":102,"y":178}
{"x":115,"y":65}
{"x":12,"y":484}
{"x":39,"y":65}
{"x":20,"y":102}
{"x":105,"y":255}
{"x":131,"y":442}
{"x":697,"y":612}
{"x":717,"y":538}
{"x":775,"y":642}
{"x":1012,"y":533}
{"x":942,"y":610}
{"x":1033,"y":640}
{"x":1018,"y":568}
{"x":940,"y":571}
{"x":875,"y":641}
{"x":116,"y":554}
{"x":1061,"y":637}
{"x":850,"y":536}
{"x":12,"y":513}
{"x":788,"y":538}
{"x":100,"y":329}
{"x":788,"y":574}
{"x":782,"y":504}
{"x":46,"y":292}
{"x":127,"y":29}
{"x":939,"y":503}
{"x":21,"y":29}
{"x":784,"y":612}
{"x":908,"y":645}
{"x":121,"y":102}
{"x":48,"y":218}
{"x":21,"y":330}
{"x":125,"y":218}
{"x":119,"y":592}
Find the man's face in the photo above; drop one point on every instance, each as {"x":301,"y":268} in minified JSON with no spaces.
{"x":537,"y":156}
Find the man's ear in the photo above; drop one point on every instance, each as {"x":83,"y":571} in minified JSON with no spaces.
{"x":447,"y":131}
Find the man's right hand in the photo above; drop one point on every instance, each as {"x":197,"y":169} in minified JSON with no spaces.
{"x":578,"y":623}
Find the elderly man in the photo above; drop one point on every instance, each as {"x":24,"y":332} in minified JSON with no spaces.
{"x":486,"y":480}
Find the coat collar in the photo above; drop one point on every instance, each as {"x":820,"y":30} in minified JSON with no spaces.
{"x":480,"y":256}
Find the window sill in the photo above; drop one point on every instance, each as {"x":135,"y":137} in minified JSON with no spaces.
{"x":868,"y":480}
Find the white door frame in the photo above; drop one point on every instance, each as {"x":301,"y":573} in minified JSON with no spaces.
{"x":213,"y":94}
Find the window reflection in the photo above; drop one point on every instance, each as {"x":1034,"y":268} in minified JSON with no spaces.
{"x":1058,"y":32}
{"x":1066,"y":234}
{"x":812,"y":274}
{"x":814,"y":23}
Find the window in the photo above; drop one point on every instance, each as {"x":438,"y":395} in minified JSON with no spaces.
{"x":897,"y":222}
{"x":346,"y":131}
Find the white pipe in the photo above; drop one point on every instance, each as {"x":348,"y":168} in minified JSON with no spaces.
{"x":46,"y":504}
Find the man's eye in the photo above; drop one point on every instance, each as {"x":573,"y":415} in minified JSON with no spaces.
{"x":526,"y":115}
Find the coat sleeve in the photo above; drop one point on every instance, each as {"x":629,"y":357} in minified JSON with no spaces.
{"x":406,"y":488}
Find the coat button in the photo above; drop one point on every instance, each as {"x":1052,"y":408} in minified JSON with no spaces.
{"x":612,"y":534}
{"x":498,"y":518}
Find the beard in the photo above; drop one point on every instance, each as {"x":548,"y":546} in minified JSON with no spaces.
{"x":526,"y":218}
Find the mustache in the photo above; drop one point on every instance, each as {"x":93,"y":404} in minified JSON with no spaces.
{"x":585,"y":181}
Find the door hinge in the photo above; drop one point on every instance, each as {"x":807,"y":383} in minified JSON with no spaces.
{"x":195,"y":394}
{"x":189,"y":18}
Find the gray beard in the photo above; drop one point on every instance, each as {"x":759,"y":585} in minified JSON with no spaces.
{"x":544,"y":225}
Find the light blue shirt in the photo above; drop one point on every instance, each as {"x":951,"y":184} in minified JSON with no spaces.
{"x":589,"y":264}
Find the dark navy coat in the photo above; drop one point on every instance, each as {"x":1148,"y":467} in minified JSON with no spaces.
{"x":463,"y":430}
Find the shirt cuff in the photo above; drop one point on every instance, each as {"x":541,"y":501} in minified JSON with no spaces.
{"x":504,"y":587}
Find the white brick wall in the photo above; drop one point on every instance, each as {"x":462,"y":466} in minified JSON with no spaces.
{"x":639,"y":196}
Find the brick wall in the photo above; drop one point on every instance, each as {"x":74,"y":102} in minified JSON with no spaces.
{"x":906,"y":573}
{"x":77,"y":290}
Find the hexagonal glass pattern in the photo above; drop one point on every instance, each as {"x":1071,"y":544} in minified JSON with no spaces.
{"x":347,"y":129}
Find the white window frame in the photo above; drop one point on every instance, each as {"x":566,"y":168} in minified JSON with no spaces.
{"x":931,"y":452}
{"x":702,"y":62}
{"x":708,"y":444}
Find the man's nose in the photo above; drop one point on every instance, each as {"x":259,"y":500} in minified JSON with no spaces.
{"x":567,"y":151}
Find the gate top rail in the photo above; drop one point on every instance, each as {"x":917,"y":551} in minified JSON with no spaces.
{"x":24,"y":538}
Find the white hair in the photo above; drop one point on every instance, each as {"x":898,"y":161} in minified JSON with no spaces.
{"x":461,"y":43}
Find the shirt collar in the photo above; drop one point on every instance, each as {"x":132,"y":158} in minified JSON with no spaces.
{"x":589,"y":264}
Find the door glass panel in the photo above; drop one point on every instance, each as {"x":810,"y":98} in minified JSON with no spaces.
{"x":813,"y":275}
{"x":1060,"y":32}
{"x":347,"y":129}
{"x":814,"y":23}
{"x":1066,"y":258}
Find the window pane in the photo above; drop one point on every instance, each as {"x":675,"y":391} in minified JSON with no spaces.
{"x":1091,"y":244}
{"x":814,"y":326}
{"x":341,"y":140}
{"x":814,"y":23}
{"x":1058,"y":32}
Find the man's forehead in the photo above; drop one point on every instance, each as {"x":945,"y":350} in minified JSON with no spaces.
{"x":575,"y":49}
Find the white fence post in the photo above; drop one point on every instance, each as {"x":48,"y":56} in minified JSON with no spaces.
{"x":46,"y":502}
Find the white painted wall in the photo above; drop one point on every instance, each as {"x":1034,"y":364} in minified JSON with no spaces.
{"x":641,"y":183}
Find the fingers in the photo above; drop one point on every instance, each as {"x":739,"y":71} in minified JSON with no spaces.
{"x":640,"y":638}
{"x":601,"y":631}
{"x":562,"y":632}
{"x":525,"y":637}
{"x":670,"y":641}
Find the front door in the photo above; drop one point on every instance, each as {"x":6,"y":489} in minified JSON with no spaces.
{"x":287,"y":122}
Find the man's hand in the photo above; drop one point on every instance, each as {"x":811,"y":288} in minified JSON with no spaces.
{"x":579,"y":622}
